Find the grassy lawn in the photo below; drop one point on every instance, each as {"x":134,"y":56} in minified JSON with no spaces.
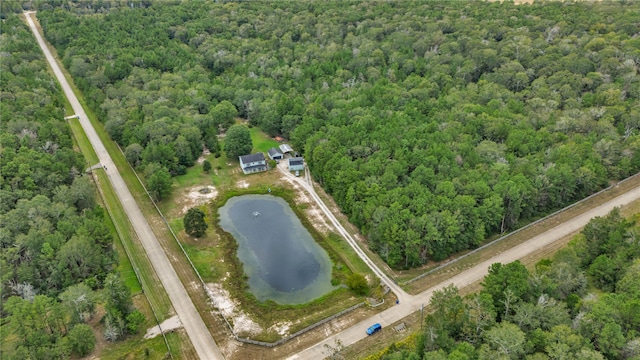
{"x":261,"y":141}
{"x":137,"y":348}
{"x":203,"y":259}
{"x":155,"y":293}
{"x":82,"y":142}
{"x":347,"y":254}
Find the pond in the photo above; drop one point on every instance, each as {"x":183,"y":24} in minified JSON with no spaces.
{"x":280,"y":258}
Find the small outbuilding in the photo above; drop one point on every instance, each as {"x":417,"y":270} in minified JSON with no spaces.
{"x":275,"y":154}
{"x":296,"y":164}
{"x":253,"y":163}
{"x":285,"y":148}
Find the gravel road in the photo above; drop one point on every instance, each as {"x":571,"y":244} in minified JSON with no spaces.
{"x":198,"y":333}
{"x":410,"y":304}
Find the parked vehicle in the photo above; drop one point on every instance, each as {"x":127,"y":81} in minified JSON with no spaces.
{"x":374,"y":329}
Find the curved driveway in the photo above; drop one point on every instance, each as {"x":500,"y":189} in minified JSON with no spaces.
{"x":198,"y":333}
{"x":413,"y":303}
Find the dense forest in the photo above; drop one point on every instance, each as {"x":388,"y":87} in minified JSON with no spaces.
{"x":432,"y":124}
{"x":56,"y":252}
{"x":582,"y":304}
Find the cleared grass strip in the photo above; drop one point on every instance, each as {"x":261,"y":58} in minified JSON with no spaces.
{"x":82,"y":142}
{"x":126,"y":243}
{"x":150,"y":283}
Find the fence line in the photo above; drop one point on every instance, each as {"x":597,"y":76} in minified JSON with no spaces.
{"x":300,"y":332}
{"x":175,"y":237}
{"x":520,"y":229}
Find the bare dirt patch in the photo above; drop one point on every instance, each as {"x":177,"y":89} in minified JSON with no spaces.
{"x":229,"y":309}
{"x":203,"y":157}
{"x":195,"y":196}
{"x":281,"y":328}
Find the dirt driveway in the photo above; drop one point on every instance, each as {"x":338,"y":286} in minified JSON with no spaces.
{"x":410,"y":304}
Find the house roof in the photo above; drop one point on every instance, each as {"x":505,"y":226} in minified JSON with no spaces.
{"x":274,"y":151}
{"x":285,"y":148}
{"x":296,"y":161}
{"x":252,"y":158}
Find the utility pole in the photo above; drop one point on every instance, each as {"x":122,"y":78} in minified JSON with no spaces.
{"x":421,"y":315}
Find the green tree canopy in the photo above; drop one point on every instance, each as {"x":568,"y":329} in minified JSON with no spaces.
{"x":237,"y":142}
{"x":507,"y":284}
{"x":159,"y":183}
{"x":357,"y":283}
{"x":472,"y":124}
{"x":81,"y":339}
{"x":224,"y":114}
{"x":194,"y":222}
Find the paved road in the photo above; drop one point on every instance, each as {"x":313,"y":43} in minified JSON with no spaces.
{"x":410,"y":304}
{"x":200,"y":337}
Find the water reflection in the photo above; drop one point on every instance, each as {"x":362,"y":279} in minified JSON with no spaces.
{"x":281,"y":259}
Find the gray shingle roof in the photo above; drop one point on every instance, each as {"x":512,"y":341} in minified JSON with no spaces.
{"x":274,"y":151}
{"x":252,"y":158}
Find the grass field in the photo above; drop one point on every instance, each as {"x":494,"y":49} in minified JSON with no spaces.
{"x":261,"y":141}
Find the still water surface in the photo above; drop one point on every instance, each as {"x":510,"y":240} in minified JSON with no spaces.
{"x":281,"y":259}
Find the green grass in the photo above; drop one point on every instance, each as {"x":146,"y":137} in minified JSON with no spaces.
{"x":139,"y":348}
{"x":261,"y":141}
{"x":82,"y":141}
{"x":156,"y":294}
{"x":347,"y":254}
{"x":202,"y":259}
{"x":195,"y":176}
{"x":125,"y":267}
{"x":176,"y":224}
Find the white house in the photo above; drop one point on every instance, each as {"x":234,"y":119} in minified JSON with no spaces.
{"x":253,"y":163}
